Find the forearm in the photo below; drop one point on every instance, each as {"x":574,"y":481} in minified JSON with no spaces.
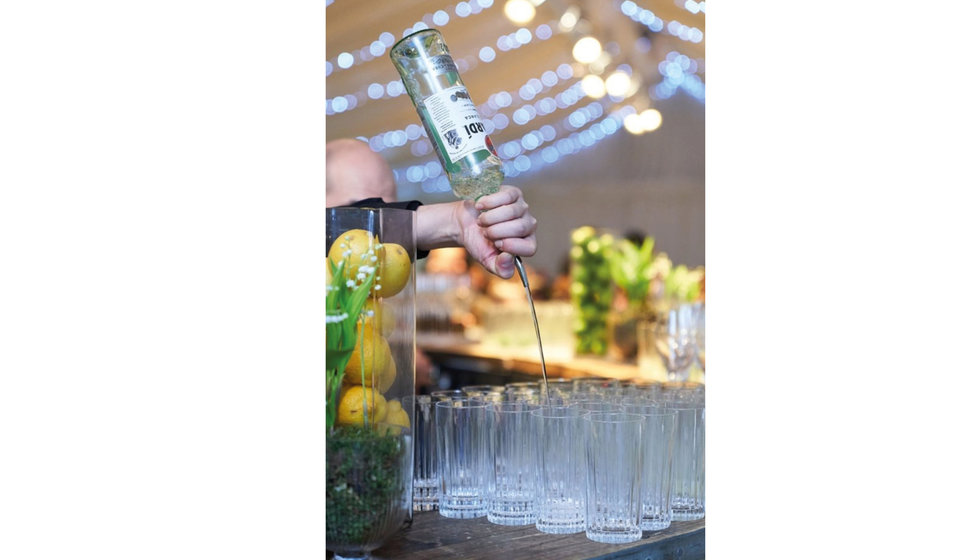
{"x":438,"y":226}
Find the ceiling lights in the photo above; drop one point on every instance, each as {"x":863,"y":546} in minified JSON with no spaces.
{"x":587,"y":50}
{"x":519,"y":12}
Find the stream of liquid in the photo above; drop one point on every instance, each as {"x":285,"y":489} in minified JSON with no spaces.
{"x":537,"y":330}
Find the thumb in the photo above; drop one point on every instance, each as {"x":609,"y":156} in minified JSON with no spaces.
{"x":504,"y":265}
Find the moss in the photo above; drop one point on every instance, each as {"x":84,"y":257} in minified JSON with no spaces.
{"x":365,"y":480}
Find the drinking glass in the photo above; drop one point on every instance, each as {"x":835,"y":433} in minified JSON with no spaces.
{"x":515,"y":464}
{"x":613,"y":491}
{"x":448,"y":395}
{"x":465,"y":460}
{"x":659,"y":431}
{"x":425,"y":484}
{"x":527,"y":391}
{"x":490,"y":393}
{"x":673,"y":339}
{"x":687,"y":487}
{"x":699,"y":324}
{"x":559,"y":387}
{"x":560,"y":497}
{"x":594,"y":384}
{"x":599,"y":406}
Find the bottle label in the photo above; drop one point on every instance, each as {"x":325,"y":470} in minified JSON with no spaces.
{"x":458,"y":127}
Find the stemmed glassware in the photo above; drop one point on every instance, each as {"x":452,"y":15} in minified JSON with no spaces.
{"x":699,"y":333}
{"x":674,"y":339}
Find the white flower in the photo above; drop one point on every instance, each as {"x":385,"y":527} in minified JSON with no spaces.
{"x":336,"y":318}
{"x":350,"y":284}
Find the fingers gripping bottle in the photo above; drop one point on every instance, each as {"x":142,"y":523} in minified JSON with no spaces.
{"x":450,"y":118}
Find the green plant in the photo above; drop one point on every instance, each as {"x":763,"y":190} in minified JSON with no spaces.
{"x":365,"y":480}
{"x":591,"y":289}
{"x":632,"y":269}
{"x":683,"y":284}
{"x":344,"y":300}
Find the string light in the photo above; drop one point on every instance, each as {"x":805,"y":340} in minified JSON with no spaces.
{"x":679,"y":72}
{"x":519,"y":11}
{"x":655,"y":24}
{"x":385,"y":40}
{"x":543,"y":146}
{"x":587,"y":50}
{"x":395,"y":88}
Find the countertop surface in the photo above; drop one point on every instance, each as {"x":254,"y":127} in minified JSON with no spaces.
{"x":433,"y":537}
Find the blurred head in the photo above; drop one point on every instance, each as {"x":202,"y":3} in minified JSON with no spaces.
{"x":356,"y":172}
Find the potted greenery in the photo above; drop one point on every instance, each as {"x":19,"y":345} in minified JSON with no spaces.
{"x":631,"y":266}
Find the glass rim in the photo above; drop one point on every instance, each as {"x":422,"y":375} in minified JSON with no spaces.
{"x":658,"y":410}
{"x":358,"y":209}
{"x":684,"y":405}
{"x":542,"y":409}
{"x":524,"y":406}
{"x":467,"y":402}
{"x":623,"y":417}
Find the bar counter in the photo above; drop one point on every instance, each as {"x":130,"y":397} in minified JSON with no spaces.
{"x":458,"y":352}
{"x":433,"y":537}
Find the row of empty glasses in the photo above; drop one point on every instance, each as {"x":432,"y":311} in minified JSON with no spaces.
{"x":602,"y":456}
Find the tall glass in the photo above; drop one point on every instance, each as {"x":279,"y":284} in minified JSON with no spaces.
{"x":489,"y":393}
{"x":425,"y":485}
{"x":515,"y":464}
{"x":613,"y":491}
{"x":687,"y":494}
{"x":673,"y":339}
{"x":561,"y":469}
{"x":465,"y":458}
{"x":659,"y":431}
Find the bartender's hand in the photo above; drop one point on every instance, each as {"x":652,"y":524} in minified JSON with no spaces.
{"x":492,"y":231}
{"x":498,"y":227}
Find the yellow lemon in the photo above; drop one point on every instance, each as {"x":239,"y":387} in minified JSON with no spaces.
{"x":398,"y":416}
{"x":396,"y":267}
{"x":359,"y":248}
{"x":382,"y":315}
{"x":354,"y":400}
{"x":376,"y":357}
{"x":381,"y":412}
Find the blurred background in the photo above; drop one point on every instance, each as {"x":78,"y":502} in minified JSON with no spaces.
{"x":595,"y":106}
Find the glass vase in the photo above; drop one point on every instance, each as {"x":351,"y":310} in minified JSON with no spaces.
{"x":370,"y":340}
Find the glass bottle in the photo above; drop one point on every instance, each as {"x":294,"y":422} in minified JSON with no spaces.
{"x":451,"y":120}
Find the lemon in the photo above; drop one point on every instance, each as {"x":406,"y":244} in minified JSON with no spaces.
{"x":396,"y":414}
{"x":383,"y":315}
{"x":359,"y":248}
{"x":354,"y":400}
{"x":387,"y":378}
{"x":396,"y":267}
{"x":381,"y":412}
{"x":376,"y":358}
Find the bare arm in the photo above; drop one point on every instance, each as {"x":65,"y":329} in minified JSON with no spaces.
{"x":492,"y":231}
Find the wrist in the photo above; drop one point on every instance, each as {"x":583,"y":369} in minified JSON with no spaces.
{"x":439,"y":225}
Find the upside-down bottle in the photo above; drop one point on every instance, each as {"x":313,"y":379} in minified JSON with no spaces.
{"x":450,"y":118}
